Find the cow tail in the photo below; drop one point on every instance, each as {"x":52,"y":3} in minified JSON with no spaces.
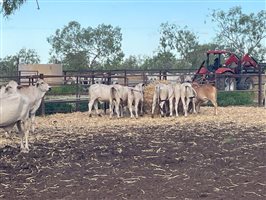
{"x":195,"y":92}
{"x":113,"y":93}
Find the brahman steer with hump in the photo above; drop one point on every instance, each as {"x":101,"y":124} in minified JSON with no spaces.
{"x":103,"y":93}
{"x":14,"y":109}
{"x":205,"y":93}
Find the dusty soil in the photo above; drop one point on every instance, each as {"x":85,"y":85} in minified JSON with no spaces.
{"x":198,"y":157}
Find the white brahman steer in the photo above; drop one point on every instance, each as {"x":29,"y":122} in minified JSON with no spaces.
{"x":187,"y":94}
{"x":205,"y":93}
{"x":162,"y":93}
{"x":129,"y":96}
{"x":177,"y":95}
{"x":138,"y":93}
{"x":35,"y":94}
{"x":103,"y":93}
{"x":14,"y":109}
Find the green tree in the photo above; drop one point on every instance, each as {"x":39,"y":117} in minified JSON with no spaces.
{"x":82,"y":48}
{"x":240,"y":32}
{"x":10,"y":6}
{"x":162,"y":60}
{"x":9,"y":64}
{"x":177,"y":40}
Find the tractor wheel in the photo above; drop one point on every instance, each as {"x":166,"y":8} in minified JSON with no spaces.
{"x":227,"y":83}
{"x":246,"y":84}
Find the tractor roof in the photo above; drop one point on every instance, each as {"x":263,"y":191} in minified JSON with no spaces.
{"x":218,"y":52}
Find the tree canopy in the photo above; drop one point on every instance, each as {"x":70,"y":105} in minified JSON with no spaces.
{"x":10,"y":6}
{"x":87,"y":47}
{"x":240,"y":32}
{"x":8,"y":65}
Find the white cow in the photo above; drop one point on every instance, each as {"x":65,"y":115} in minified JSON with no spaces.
{"x":138,"y":93}
{"x":35,"y":94}
{"x":14,"y":110}
{"x":187,"y":94}
{"x":162,"y":93}
{"x":131,"y":95}
{"x":264,"y":94}
{"x":103,"y":93}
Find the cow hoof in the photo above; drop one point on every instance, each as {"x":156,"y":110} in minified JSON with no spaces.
{"x":152,"y":116}
{"x":99,"y":115}
{"x":25,"y":150}
{"x":89,"y":115}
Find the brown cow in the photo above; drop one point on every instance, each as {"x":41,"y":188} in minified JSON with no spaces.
{"x":205,"y":93}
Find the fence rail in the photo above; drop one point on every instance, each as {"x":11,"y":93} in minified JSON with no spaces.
{"x":79,"y":81}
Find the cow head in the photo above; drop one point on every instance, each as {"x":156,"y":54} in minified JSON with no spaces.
{"x":11,"y":87}
{"x":43,"y":86}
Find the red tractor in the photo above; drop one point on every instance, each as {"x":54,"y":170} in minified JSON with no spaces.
{"x":230,"y":66}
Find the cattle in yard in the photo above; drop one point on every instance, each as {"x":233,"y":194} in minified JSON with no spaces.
{"x":138,"y":93}
{"x":205,"y":93}
{"x":163,"y":93}
{"x":103,"y":93}
{"x":14,"y":110}
{"x":187,"y":95}
{"x":131,"y":96}
{"x":35,"y":94}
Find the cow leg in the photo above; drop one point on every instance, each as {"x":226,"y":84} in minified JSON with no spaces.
{"x":171,"y":107}
{"x":90,"y":104}
{"x":32,"y":122}
{"x":111,"y":108}
{"x":26,"y":131}
{"x":21,"y":135}
{"x":129,"y":102}
{"x":215,"y":106}
{"x":176,"y":104}
{"x":95,"y":105}
{"x":161,"y":108}
{"x":194,"y":105}
{"x":117,"y":108}
{"x":153,"y":106}
{"x":141,"y":107}
{"x":137,"y":108}
{"x":184,"y":105}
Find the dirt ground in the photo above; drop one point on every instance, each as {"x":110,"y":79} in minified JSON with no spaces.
{"x":199,"y":157}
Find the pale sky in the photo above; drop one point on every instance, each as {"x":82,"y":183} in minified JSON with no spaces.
{"x":139,"y":21}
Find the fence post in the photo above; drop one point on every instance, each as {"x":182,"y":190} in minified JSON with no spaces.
{"x":260,"y":86}
{"x":77,"y":93}
{"x":125,"y":78}
{"x":65,"y":78}
{"x":164,"y":75}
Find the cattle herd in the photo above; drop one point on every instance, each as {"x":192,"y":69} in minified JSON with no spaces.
{"x":18,"y":104}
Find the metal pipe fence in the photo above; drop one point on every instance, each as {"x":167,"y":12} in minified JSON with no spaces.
{"x":72,"y":86}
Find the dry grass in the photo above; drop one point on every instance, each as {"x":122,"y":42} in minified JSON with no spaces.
{"x":242,"y":116}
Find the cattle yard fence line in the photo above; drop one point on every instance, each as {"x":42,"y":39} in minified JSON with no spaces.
{"x":83,"y":79}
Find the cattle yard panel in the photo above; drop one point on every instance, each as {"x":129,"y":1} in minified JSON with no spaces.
{"x":83,"y":79}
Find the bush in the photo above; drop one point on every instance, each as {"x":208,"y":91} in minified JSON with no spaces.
{"x":63,"y":90}
{"x":51,"y":108}
{"x":235,"y":98}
